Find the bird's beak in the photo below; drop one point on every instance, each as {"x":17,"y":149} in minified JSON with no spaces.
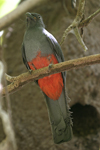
{"x":28,"y":17}
{"x":28,"y":14}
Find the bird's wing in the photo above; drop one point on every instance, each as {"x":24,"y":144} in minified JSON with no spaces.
{"x":57,"y":49}
{"x":24,"y":57}
{"x":54,"y":44}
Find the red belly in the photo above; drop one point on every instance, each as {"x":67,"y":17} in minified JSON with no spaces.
{"x":51,"y":85}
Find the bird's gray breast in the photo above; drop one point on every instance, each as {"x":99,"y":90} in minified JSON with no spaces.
{"x":35,"y":43}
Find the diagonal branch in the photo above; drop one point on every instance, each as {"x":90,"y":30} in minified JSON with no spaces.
{"x":80,"y":11}
{"x":18,"y":81}
{"x":79,"y":22}
{"x":16,"y":13}
{"x":28,"y":4}
{"x":76,"y":22}
{"x":89,"y":19}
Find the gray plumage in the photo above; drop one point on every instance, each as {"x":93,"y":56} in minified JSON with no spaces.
{"x":38,"y":38}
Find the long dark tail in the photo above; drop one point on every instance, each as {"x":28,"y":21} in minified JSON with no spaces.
{"x":60,"y":119}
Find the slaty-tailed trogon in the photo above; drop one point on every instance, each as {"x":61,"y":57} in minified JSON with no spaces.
{"x":40,"y":49}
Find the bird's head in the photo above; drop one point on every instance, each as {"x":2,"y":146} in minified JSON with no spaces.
{"x":34,"y":19}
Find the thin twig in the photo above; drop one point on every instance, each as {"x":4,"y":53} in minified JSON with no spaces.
{"x":24,"y":78}
{"x":79,"y":38}
{"x":76,"y":21}
{"x":9,"y":78}
{"x":89,"y":19}
{"x":80,"y":11}
{"x":73,"y":28}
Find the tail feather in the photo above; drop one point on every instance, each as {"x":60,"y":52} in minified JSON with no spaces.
{"x":60,"y":119}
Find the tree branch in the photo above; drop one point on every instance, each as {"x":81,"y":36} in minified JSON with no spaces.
{"x":80,"y":12}
{"x":28,"y":4}
{"x":16,"y":13}
{"x":78,"y":22}
{"x":19,"y":81}
{"x":89,"y":19}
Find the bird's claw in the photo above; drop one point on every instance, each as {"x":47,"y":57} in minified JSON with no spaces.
{"x":30,"y":71}
{"x":50,"y":66}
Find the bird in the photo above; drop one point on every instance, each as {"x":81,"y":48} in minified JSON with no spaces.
{"x":41,"y":49}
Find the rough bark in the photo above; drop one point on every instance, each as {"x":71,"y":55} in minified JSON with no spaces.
{"x":18,"y":81}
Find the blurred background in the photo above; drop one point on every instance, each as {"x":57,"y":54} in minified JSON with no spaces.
{"x":29,"y":111}
{"x":7,"y":6}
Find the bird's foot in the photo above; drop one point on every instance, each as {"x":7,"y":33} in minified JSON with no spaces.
{"x":30,"y":71}
{"x":50,"y":66}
